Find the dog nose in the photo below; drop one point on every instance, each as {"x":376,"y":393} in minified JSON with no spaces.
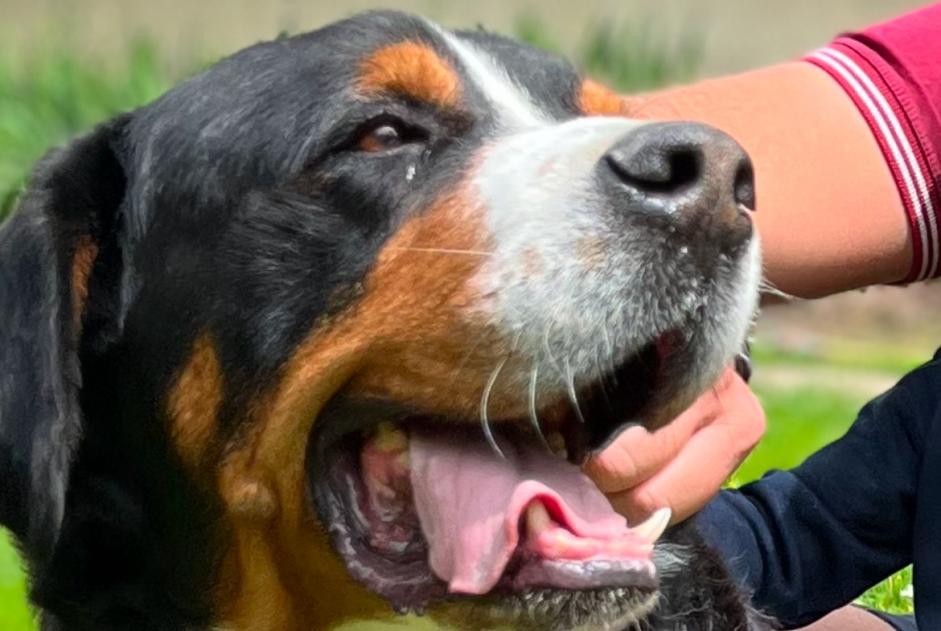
{"x":693,"y":176}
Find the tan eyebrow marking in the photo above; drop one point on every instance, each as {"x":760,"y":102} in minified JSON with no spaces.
{"x":411,"y":69}
{"x":86,"y":251}
{"x":595,"y":99}
{"x":194,"y":401}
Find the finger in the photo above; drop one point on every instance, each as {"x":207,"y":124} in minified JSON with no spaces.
{"x":691,"y":479}
{"x":638,"y":453}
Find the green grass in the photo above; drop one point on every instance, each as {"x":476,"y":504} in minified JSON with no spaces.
{"x":629,"y":56}
{"x":843,"y":354}
{"x":801,"y":420}
{"x":14,"y":615}
{"x":52,"y":97}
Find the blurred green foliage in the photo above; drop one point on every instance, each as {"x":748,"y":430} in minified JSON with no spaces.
{"x":895,"y":594}
{"x":14,"y":615}
{"x":629,"y":56}
{"x":51,"y":97}
{"x":838,"y":353}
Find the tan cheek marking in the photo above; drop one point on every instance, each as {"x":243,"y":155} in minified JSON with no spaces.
{"x":86,"y":251}
{"x":281,"y":572}
{"x":408,"y":312}
{"x":424,"y":301}
{"x":251,"y":500}
{"x":193,"y":402}
{"x":410,"y":69}
{"x":594,"y":99}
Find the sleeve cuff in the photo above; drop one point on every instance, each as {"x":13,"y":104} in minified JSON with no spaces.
{"x":903,"y":128}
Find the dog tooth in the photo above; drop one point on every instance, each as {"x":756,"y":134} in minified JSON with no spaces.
{"x":537,"y":518}
{"x":389,"y":438}
{"x":380,"y":489}
{"x":557,"y":444}
{"x":403,"y":460}
{"x":654,"y":526}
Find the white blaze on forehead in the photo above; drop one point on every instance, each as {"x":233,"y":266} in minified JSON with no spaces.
{"x":513,"y":105}
{"x":538,"y":174}
{"x":567,"y":280}
{"x":543,"y":205}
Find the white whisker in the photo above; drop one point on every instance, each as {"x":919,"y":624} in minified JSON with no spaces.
{"x":602,"y":378}
{"x":548,"y":347}
{"x":767,"y":287}
{"x":533,"y":415}
{"x":516,"y":342}
{"x":485,"y":404}
{"x":573,"y":397}
{"x":609,"y":351}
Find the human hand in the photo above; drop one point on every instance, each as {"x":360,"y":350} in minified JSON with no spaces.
{"x":683,"y":464}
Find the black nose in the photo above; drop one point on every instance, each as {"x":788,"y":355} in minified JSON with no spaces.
{"x":695,"y":177}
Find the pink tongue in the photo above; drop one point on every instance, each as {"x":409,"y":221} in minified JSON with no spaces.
{"x":470,"y":501}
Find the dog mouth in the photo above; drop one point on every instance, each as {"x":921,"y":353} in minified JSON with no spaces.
{"x":424,"y":508}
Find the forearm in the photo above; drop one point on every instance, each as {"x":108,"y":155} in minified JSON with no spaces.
{"x":829,"y":213}
{"x":812,"y":539}
{"x":786,"y":546}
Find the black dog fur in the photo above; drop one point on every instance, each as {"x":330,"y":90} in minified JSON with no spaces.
{"x":195,"y":230}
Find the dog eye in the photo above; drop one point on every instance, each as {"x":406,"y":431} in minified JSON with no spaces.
{"x":388,"y":135}
{"x":381,"y":138}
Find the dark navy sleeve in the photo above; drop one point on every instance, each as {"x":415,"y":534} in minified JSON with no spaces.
{"x":812,"y":539}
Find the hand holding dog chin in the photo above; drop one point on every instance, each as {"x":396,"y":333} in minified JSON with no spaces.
{"x":683,"y":464}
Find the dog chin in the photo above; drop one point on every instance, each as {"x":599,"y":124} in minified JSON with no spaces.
{"x":551,"y":610}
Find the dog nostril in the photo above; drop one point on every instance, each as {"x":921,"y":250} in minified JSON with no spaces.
{"x":744,"y":185}
{"x":685,"y":168}
{"x":692,"y":178}
{"x":658,"y":169}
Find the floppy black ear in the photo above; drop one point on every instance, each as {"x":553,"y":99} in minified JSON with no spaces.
{"x":48,"y":249}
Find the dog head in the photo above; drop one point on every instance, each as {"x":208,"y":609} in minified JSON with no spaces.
{"x":325,"y":327}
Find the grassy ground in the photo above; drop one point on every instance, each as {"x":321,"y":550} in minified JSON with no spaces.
{"x":50,"y":97}
{"x":14,"y":616}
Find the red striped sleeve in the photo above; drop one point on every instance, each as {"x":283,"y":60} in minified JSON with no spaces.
{"x":892,"y":72}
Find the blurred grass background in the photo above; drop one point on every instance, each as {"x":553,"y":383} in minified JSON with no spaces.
{"x":816,"y":364}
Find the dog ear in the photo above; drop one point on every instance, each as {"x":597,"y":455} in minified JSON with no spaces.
{"x":48,"y":250}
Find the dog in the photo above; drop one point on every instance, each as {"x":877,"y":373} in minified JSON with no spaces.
{"x":323,"y":334}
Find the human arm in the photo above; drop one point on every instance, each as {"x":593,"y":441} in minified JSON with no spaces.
{"x":829,"y":213}
{"x":809,"y":540}
{"x":846,"y":151}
